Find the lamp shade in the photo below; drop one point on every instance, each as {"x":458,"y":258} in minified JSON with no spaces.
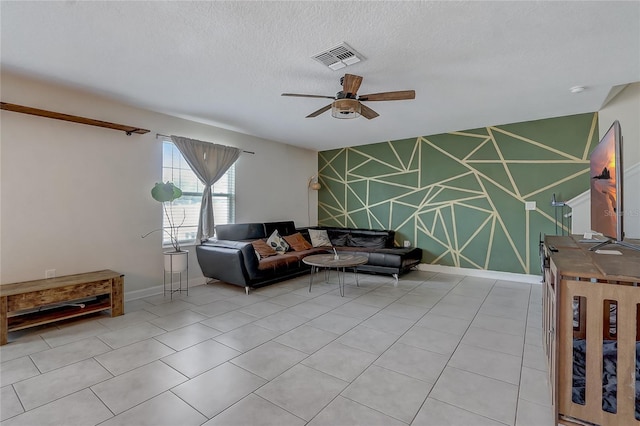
{"x":313,"y":183}
{"x":345,"y":108}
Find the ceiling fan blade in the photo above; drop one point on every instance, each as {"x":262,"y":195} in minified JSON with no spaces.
{"x":389,"y":96}
{"x":351,"y":83}
{"x":318,"y":112}
{"x":367,"y":112}
{"x":299,"y":95}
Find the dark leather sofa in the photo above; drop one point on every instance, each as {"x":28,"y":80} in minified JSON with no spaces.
{"x":230,"y":256}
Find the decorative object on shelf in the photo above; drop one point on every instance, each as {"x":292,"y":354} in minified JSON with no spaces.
{"x":559,"y":205}
{"x":72,"y":118}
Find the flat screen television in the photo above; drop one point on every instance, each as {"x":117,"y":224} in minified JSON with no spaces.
{"x":607,"y":216}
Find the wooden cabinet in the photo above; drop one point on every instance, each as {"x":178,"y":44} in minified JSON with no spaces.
{"x":580,"y":286}
{"x":549,"y":326}
{"x":20,"y":303}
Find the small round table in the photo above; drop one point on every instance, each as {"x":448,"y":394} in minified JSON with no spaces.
{"x":340,"y":262}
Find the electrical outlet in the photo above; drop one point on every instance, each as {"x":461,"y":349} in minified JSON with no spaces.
{"x":529,"y":205}
{"x":50,"y":273}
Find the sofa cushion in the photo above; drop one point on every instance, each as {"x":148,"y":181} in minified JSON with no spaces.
{"x":263,"y":249}
{"x":302,"y":254}
{"x":277,"y":262}
{"x":277,"y":242}
{"x":373,"y":241}
{"x":240,"y":231}
{"x":346,"y":249}
{"x":297,"y":242}
{"x":319,"y":238}
{"x":338,"y":238}
{"x":283,"y":228}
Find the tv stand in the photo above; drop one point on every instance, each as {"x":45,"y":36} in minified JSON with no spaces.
{"x":610,"y":241}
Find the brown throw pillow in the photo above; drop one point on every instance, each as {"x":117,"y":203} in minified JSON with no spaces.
{"x":263,"y":249}
{"x":297,"y":242}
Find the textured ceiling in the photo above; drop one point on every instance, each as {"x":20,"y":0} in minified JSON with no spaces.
{"x":472,"y":64}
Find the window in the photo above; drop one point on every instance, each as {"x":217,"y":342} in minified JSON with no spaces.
{"x":175,"y":169}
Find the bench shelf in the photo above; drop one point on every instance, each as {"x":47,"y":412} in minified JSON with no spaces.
{"x":19,"y":300}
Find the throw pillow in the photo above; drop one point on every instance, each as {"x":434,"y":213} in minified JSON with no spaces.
{"x":262,"y":249}
{"x":276,"y":242}
{"x":372,"y":241}
{"x":319,"y":238}
{"x":338,"y":238}
{"x":297,"y":242}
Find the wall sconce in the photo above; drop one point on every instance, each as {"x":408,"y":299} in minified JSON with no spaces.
{"x":313,"y":184}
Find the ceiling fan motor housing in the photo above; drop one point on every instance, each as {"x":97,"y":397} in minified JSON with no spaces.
{"x":345,"y":95}
{"x":345,"y":108}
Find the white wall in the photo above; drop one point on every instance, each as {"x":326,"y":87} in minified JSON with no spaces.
{"x":625,"y":108}
{"x":75,"y":198}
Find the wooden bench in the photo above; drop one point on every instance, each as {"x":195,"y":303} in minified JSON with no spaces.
{"x":18,"y":301}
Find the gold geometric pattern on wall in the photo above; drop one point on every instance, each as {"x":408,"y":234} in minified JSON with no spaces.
{"x":460,"y":196}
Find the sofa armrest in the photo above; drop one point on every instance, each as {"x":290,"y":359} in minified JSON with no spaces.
{"x":234,"y":262}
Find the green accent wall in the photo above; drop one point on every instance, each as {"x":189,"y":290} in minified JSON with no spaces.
{"x":460,"y":196}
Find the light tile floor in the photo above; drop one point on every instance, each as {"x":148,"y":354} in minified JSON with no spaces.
{"x":436,"y":349}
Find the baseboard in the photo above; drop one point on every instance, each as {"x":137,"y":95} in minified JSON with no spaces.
{"x":483,"y":273}
{"x":155,"y":290}
{"x":498,"y":275}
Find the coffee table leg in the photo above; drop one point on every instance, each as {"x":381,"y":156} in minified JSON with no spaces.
{"x":313,"y":269}
{"x":341,"y":281}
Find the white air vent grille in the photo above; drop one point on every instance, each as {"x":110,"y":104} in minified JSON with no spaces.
{"x":338,"y":57}
{"x":342,"y":52}
{"x":326,"y":58}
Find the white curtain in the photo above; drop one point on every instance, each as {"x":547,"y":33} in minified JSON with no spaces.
{"x":209,"y":162}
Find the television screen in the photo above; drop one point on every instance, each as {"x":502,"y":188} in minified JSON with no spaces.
{"x":606,"y":185}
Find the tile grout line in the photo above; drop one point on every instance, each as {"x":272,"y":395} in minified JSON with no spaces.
{"x":395,"y":341}
{"x":524,"y":343}
{"x":361,"y":321}
{"x":454,"y":350}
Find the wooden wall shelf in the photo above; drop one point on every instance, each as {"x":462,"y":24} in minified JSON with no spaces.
{"x":73,"y":118}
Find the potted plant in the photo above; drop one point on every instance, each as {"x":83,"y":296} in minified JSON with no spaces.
{"x":166,"y":193}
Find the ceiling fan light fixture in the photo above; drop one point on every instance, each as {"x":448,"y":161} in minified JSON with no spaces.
{"x":345,"y":108}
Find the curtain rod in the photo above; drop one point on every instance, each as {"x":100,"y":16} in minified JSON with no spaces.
{"x":158,"y":135}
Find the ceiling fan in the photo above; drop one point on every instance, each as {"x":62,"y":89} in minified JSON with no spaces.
{"x":347,"y":104}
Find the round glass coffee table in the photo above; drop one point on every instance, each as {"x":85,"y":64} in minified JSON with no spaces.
{"x":339,"y":262}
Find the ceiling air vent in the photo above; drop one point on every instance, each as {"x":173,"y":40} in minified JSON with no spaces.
{"x":338,"y":57}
